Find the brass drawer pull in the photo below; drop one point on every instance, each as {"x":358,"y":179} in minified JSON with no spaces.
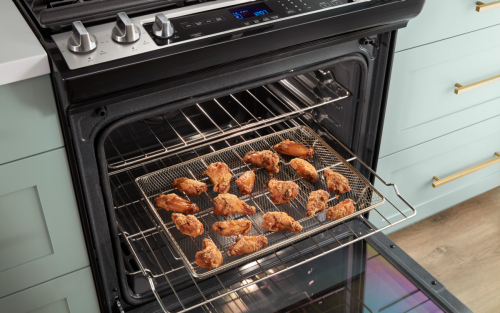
{"x":475,"y":168}
{"x":481,"y":83}
{"x":481,"y":6}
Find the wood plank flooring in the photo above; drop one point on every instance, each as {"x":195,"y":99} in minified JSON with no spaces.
{"x":461,"y":248}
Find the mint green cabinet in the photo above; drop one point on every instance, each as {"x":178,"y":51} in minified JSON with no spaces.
{"x":422,"y":104}
{"x":442,"y":19}
{"x":40,"y":232}
{"x":412,"y":170}
{"x":28,"y":119}
{"x":72,"y":293}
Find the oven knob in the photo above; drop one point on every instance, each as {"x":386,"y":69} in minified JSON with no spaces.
{"x":162,"y":27}
{"x":125,"y":31}
{"x":81,"y":40}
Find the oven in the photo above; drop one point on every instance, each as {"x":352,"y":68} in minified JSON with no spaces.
{"x":211,"y":81}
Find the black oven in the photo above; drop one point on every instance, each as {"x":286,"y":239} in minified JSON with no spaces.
{"x":248,"y":71}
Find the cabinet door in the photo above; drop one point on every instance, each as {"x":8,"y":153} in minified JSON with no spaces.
{"x":72,"y":293}
{"x":40,"y":233}
{"x":441,"y":19}
{"x":412,"y":170}
{"x":28,"y":119}
{"x":422,"y":104}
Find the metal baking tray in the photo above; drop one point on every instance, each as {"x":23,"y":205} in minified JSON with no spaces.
{"x":160,"y":182}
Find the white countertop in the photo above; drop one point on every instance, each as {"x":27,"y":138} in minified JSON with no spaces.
{"x":21,"y":56}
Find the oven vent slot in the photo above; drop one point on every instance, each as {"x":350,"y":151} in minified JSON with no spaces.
{"x":177,"y":130}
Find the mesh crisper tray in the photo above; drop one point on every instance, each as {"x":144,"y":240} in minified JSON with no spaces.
{"x":160,"y":182}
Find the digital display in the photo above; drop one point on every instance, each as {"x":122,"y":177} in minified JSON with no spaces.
{"x":252,"y":10}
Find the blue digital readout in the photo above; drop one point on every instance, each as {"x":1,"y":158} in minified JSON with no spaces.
{"x":252,"y":10}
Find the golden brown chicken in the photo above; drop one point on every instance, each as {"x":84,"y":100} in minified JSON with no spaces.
{"x":264,"y":158}
{"x":336,"y":182}
{"x":317,"y":202}
{"x":305,"y":169}
{"x":228,"y":204}
{"x":277,"y":221}
{"x":282,"y":191}
{"x":246,"y":182}
{"x":294,"y":149}
{"x":210,"y":257}
{"x":232,"y":227}
{"x":220,"y":176}
{"x":341,"y":210}
{"x":188,"y":224}
{"x":173,"y":202}
{"x":247,"y":244}
{"x":189,"y":186}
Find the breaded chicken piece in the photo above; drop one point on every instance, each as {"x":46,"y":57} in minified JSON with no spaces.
{"x":264,"y":158}
{"x":228,"y":204}
{"x":277,"y":221}
{"x":282,"y":191}
{"x":336,"y":182}
{"x":189,"y":186}
{"x":220,"y":175}
{"x":341,"y":210}
{"x":232,"y":227}
{"x":317,"y":202}
{"x":247,"y":244}
{"x":210,"y":257}
{"x":188,"y":224}
{"x":305,"y":169}
{"x":294,"y":149}
{"x":173,"y":202}
{"x":246,"y":182}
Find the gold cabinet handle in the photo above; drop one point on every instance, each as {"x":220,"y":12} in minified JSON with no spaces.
{"x":475,"y":168}
{"x":481,"y":6}
{"x":461,"y":89}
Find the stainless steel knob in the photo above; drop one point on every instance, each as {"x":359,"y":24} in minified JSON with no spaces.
{"x":125,"y":31}
{"x":81,"y":40}
{"x":162,"y":27}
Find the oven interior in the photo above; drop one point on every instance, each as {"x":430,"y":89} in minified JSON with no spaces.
{"x":325,"y":100}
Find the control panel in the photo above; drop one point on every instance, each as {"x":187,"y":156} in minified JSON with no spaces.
{"x":131,"y":36}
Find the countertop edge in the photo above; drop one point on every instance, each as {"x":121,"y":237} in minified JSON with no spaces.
{"x":25,"y":68}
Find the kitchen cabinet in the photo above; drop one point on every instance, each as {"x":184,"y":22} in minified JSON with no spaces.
{"x":72,"y":293}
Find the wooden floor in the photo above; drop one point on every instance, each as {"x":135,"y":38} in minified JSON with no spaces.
{"x":461,"y":248}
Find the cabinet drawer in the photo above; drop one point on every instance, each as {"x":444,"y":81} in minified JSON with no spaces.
{"x":422,"y":104}
{"x":28,"y":121}
{"x":72,"y":293}
{"x":40,"y":233}
{"x":412,"y":170}
{"x":441,"y":19}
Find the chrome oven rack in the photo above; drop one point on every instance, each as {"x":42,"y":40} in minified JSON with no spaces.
{"x":155,"y":259}
{"x":163,"y":135}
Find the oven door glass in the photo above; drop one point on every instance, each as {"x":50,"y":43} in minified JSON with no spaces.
{"x":356,"y":278}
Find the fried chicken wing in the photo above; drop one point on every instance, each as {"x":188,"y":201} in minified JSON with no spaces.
{"x":228,"y":204}
{"x":317,"y":202}
{"x":188,"y":224}
{"x":173,"y":202}
{"x":341,"y":210}
{"x":277,"y":221}
{"x":189,"y":186}
{"x":282,"y":191}
{"x":210,"y":257}
{"x":293,"y":148}
{"x":264,"y":158}
{"x":232,"y":227}
{"x":220,"y":176}
{"x":247,"y":244}
{"x":305,"y":169}
{"x":246,"y":182}
{"x":336,"y":182}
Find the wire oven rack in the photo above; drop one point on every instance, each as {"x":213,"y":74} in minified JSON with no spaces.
{"x":160,"y":182}
{"x":156,"y":135}
{"x":146,"y":246}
